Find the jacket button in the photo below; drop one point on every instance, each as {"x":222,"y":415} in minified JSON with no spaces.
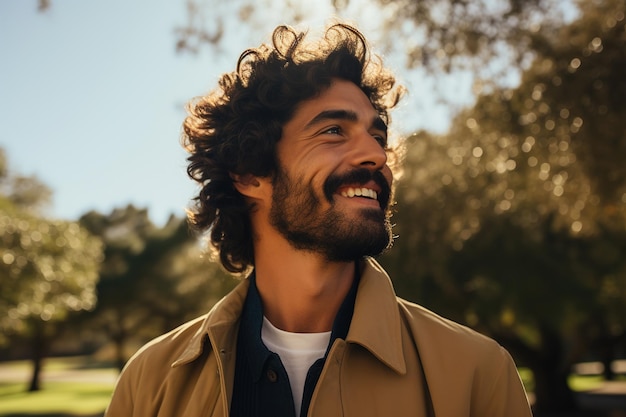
{"x":272,"y":376}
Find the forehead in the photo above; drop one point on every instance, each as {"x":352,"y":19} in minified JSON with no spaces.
{"x":340,"y":95}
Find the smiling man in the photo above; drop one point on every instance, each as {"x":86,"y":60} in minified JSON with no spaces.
{"x":291,"y":155}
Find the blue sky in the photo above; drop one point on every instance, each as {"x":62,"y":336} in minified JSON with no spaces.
{"x":92,"y":98}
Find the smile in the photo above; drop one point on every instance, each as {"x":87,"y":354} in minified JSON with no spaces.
{"x":360,"y":192}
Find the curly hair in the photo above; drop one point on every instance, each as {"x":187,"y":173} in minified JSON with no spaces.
{"x":235,"y":128}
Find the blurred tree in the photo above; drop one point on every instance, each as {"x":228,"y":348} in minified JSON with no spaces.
{"x":43,"y":5}
{"x":515,"y":219}
{"x":435,"y":35}
{"x":48,"y":268}
{"x":28,"y":193}
{"x":459,"y":34}
{"x":152,"y":278}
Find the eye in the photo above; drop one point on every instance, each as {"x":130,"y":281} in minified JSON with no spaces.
{"x":333,"y":130}
{"x":381,"y":139}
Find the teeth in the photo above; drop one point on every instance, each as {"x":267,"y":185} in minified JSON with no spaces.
{"x":360,"y":192}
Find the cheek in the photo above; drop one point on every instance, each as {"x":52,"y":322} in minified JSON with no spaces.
{"x":315,"y":171}
{"x":307,"y":182}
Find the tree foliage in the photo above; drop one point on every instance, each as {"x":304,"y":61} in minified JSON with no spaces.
{"x":454,"y":34}
{"x":48,"y":268}
{"x":152,"y":278}
{"x":514,"y":219}
{"x":435,"y":35}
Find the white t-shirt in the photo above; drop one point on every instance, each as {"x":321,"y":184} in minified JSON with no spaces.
{"x":297,"y":351}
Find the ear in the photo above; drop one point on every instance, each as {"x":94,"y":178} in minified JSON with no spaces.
{"x":248,"y":185}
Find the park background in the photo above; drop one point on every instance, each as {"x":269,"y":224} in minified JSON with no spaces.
{"x":511,"y":205}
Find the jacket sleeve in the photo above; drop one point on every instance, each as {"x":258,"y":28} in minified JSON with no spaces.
{"x":121,"y":403}
{"x":501,"y":391}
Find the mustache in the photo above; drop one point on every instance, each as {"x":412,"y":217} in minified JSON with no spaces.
{"x":359,"y":176}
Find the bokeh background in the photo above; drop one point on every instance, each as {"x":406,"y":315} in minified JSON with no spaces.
{"x":511,"y":214}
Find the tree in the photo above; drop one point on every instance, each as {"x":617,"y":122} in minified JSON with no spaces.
{"x":48,"y":269}
{"x":514,"y":219}
{"x":433,"y":35}
{"x":152,"y":278}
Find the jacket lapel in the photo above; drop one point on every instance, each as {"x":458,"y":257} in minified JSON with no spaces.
{"x":376,"y":321}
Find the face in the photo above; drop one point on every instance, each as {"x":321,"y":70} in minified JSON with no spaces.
{"x":331,"y":194}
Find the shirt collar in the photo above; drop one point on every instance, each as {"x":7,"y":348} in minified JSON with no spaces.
{"x":252,"y":322}
{"x":376,"y":324}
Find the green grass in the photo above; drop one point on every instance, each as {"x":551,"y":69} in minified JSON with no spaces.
{"x":60,"y":363}
{"x":585,"y":382}
{"x":576,"y":382}
{"x":55,"y":398}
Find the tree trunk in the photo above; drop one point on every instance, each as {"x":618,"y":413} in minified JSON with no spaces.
{"x":120,"y":359}
{"x":607,"y":362}
{"x":550,"y":371}
{"x":39,"y":348}
{"x":552,"y":392}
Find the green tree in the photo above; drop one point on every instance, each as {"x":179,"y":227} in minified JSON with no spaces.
{"x":514,"y":219}
{"x":432,"y":35}
{"x":48,"y":269}
{"x":152,"y":278}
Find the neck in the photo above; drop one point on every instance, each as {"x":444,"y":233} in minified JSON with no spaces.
{"x":301,"y":291}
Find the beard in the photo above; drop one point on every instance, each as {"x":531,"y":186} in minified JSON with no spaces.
{"x":297,"y":214}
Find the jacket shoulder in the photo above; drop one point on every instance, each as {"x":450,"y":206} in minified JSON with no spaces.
{"x":158,"y":355}
{"x":458,"y":359}
{"x":146,"y":370}
{"x":186,"y":342}
{"x":428,"y":324}
{"x":167,"y":348}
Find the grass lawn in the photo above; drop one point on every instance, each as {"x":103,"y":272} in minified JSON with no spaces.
{"x":62,"y":398}
{"x":576,"y":382}
{"x":55,"y":399}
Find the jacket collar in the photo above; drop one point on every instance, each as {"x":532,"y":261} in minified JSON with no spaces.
{"x":375,"y":324}
{"x":223,"y":316}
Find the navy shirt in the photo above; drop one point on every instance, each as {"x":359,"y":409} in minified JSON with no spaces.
{"x":261,"y":387}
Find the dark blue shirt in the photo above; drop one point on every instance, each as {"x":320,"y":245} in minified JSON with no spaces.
{"x":261,"y":387}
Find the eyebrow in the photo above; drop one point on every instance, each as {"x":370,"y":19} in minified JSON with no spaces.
{"x":349,"y":115}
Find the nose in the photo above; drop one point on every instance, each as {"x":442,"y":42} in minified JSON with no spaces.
{"x":369,"y":152}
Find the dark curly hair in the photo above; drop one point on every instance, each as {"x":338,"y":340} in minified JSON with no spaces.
{"x":234,"y":129}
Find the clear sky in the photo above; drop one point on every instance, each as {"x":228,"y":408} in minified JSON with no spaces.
{"x":92,"y":96}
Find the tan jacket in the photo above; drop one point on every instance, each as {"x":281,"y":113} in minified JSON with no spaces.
{"x":398,"y":359}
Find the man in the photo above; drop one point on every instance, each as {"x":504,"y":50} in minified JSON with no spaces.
{"x":291,"y":156}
